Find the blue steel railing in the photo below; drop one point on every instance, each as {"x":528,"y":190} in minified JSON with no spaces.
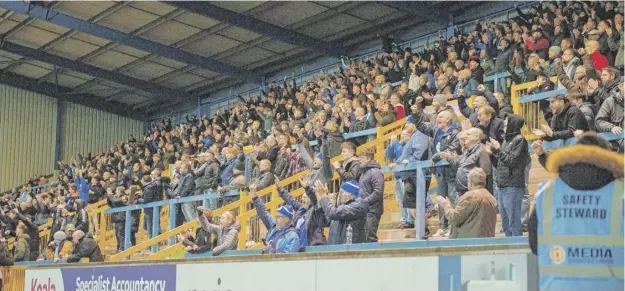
{"x":350,"y":135}
{"x":156,"y":212}
{"x":419,"y":167}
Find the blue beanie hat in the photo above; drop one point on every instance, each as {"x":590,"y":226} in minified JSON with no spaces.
{"x":351,"y":187}
{"x":286,"y":210}
{"x":320,"y":155}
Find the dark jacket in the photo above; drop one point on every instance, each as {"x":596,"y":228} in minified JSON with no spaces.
{"x":350,"y":169}
{"x":281,"y":167}
{"x":5,"y":255}
{"x":207,"y":177}
{"x":494,"y":129}
{"x":360,"y":125}
{"x":470,"y":112}
{"x":448,"y":142}
{"x":352,"y":212}
{"x":512,"y":156}
{"x":472,"y":157}
{"x":503,"y":59}
{"x":264,"y":179}
{"x":185,"y":186}
{"x":334,"y":140}
{"x":96,"y":194}
{"x":566,"y":122}
{"x":86,"y":248}
{"x":33,"y":233}
{"x":81,"y":218}
{"x":371,"y":184}
{"x":153,"y":191}
{"x":313,"y":216}
{"x":589,"y":115}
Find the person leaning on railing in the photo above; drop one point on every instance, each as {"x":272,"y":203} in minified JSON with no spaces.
{"x":610,"y":116}
{"x":565,"y":121}
{"x":85,"y":247}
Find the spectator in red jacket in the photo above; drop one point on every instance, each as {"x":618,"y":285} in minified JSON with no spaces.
{"x":598,"y":60}
{"x":400,"y":112}
{"x":537,"y":43}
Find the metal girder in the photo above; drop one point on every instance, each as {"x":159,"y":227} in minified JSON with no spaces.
{"x":57,"y":18}
{"x":60,"y":93}
{"x":252,"y":24}
{"x":420,"y":9}
{"x":89,"y":70}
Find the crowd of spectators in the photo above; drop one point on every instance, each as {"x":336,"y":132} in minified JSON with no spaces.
{"x":578,"y":42}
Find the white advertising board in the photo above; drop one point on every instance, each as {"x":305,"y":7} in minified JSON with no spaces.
{"x":368,"y":274}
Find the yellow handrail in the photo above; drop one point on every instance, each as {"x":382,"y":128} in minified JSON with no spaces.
{"x":530,"y":110}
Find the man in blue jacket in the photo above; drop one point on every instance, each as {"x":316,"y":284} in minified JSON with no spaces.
{"x":417,"y":149}
{"x":393,"y":152}
{"x":282,"y":236}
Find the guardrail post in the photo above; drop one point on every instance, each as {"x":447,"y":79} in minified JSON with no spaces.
{"x":421,"y":192}
{"x":205,"y":203}
{"x":127,"y":230}
{"x":172,"y":219}
{"x":156,"y":218}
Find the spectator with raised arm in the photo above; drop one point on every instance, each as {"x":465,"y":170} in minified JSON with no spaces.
{"x":282,"y":236}
{"x":444,"y":135}
{"x":226,"y":232}
{"x":350,"y":213}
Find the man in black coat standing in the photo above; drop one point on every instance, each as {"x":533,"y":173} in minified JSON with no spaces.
{"x":512,"y":157}
{"x":371,"y":184}
{"x":565,"y":121}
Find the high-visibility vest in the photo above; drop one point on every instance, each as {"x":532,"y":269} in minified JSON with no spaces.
{"x":580,"y":237}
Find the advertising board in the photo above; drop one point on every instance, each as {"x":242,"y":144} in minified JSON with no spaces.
{"x":122,"y":278}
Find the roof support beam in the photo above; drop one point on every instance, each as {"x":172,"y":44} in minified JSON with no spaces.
{"x":57,"y":18}
{"x":252,"y":24}
{"x":421,"y":9}
{"x":89,"y":69}
{"x":60,"y":93}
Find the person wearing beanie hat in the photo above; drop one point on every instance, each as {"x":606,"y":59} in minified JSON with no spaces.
{"x":282,"y":236}
{"x":85,"y":247}
{"x":61,"y":248}
{"x":350,"y":212}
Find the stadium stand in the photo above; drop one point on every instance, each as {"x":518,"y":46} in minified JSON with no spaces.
{"x":397,"y":141}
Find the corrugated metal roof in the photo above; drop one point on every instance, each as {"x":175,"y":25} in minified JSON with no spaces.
{"x":177,"y":28}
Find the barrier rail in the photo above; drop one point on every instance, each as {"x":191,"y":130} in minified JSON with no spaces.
{"x":523,"y":105}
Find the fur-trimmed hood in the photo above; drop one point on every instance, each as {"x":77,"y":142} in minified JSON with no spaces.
{"x":586,"y":167}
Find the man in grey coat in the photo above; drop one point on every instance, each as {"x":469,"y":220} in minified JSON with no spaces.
{"x":371,"y":184}
{"x":610,"y":116}
{"x":350,"y":213}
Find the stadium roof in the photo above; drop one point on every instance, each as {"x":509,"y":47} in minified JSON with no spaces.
{"x":125,"y":57}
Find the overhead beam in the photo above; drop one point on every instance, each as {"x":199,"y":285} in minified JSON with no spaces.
{"x":420,"y":9}
{"x":252,"y":24}
{"x":94,"y":29}
{"x":73,"y":65}
{"x":60,"y":93}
